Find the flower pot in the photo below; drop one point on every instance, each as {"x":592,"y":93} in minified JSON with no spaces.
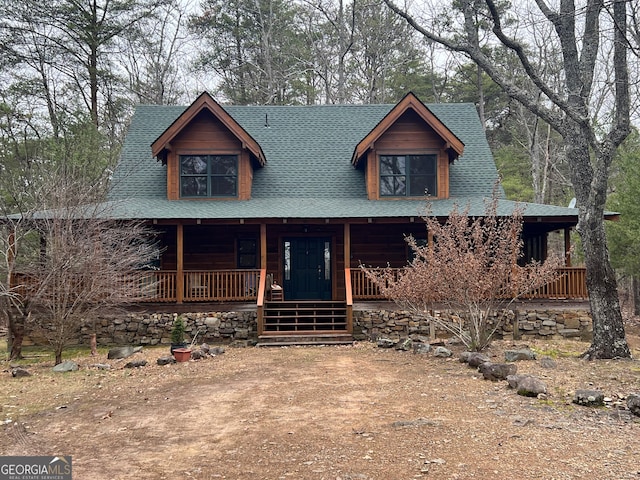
{"x":174,"y":346}
{"x":182,"y":354}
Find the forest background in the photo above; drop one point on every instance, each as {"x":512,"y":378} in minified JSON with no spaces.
{"x":71,"y":73}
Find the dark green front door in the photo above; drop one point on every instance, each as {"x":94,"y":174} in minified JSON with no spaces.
{"x":307,"y":268}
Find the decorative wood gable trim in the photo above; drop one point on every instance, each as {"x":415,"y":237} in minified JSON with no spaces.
{"x":454,"y":145}
{"x":162,"y":144}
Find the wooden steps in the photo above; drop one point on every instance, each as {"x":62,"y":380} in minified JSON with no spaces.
{"x":302,"y":340}
{"x":305,"y":322}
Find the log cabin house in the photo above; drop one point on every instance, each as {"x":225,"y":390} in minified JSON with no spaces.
{"x":302,"y":195}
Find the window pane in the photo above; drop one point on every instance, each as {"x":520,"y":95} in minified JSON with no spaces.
{"x":224,"y":165}
{"x":400,"y":185}
{"x":223,"y":186}
{"x":287,"y":260}
{"x":392,"y":165}
{"x":194,"y":186}
{"x":422,"y":185}
{"x":327,"y":260}
{"x":393,"y":186}
{"x":422,"y":164}
{"x":193,"y":164}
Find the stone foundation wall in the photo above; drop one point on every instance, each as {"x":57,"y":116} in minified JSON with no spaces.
{"x":154,"y":329}
{"x":556,"y":324}
{"x":217,"y":327}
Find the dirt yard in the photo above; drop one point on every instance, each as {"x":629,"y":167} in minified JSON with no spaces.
{"x":335,"y":413}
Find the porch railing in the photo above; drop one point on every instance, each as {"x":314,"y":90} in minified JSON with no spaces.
{"x":201,"y":286}
{"x":242,"y":285}
{"x":571,"y":283}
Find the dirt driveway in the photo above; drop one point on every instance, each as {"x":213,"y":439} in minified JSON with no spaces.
{"x":356,"y":412}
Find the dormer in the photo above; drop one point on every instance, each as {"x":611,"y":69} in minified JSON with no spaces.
{"x":407,"y":154}
{"x":208,"y":155}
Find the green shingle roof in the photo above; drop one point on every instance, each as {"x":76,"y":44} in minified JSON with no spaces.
{"x":308,"y":172}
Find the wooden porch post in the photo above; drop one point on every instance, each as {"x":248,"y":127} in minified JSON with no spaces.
{"x":347,"y":279}
{"x":567,"y":247}
{"x":263,"y":246}
{"x":263,"y":275}
{"x":180,"y":263}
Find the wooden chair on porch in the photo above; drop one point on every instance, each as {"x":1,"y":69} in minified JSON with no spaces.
{"x":275,"y":292}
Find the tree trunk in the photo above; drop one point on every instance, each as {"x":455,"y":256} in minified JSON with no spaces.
{"x":58,"y":355}
{"x":16,"y":334}
{"x":608,"y":329}
{"x":635,"y":295}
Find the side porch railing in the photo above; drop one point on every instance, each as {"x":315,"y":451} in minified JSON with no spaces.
{"x":570,"y":284}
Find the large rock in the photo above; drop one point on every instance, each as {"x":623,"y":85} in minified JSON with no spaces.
{"x":166,"y":360}
{"x":404,"y":344}
{"x":476,"y":359}
{"x":517,"y":355}
{"x":527,"y":385}
{"x":421,"y":348}
{"x":497,"y":371}
{"x":589,"y":398}
{"x":136,"y":364}
{"x":122,"y":352}
{"x":20,"y":372}
{"x":442,"y":352}
{"x":386,"y":343}
{"x":633,"y":403}
{"x":66,"y":366}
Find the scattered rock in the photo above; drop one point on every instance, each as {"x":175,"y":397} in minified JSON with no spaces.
{"x":100,"y":366}
{"x":442,"y":352}
{"x":414,"y":423}
{"x":216,"y":351}
{"x":122,"y":352}
{"x":464,"y":357}
{"x":166,"y":360}
{"x":476,"y":359}
{"x":421,"y":348}
{"x":589,"y":398}
{"x":66,"y":366}
{"x":517,"y":355}
{"x":385,"y":343}
{"x":20,"y":372}
{"x":527,"y":385}
{"x":497,"y":371}
{"x":205,"y":348}
{"x":633,"y":403}
{"x":522,"y":422}
{"x":198,"y":355}
{"x":136,"y":364}
{"x":548,"y":362}
{"x":404,"y":345}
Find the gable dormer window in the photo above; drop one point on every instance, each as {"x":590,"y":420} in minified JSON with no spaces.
{"x":203,"y":176}
{"x":408,"y":175}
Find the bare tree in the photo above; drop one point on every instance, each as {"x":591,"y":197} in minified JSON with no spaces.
{"x":87,"y":262}
{"x":471,"y":268}
{"x":152,"y":56}
{"x":585,"y":35}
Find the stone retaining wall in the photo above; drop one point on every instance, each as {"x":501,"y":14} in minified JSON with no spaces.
{"x":155,"y":328}
{"x":556,"y":324}
{"x":217,"y":327}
